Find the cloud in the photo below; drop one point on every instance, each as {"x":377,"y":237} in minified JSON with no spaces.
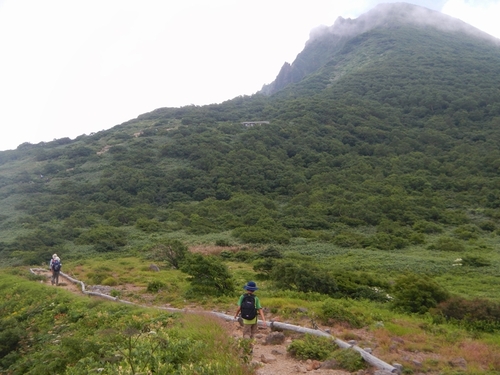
{"x":75,"y":67}
{"x":481,"y":14}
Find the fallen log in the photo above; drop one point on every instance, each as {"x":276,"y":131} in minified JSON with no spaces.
{"x":369,"y":358}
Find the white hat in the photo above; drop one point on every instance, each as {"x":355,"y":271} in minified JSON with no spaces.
{"x":54,"y":256}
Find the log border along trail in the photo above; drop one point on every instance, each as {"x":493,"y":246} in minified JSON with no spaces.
{"x":369,"y":358}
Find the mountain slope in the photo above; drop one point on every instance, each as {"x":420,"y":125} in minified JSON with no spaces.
{"x":326,"y":44}
{"x":391,"y":143}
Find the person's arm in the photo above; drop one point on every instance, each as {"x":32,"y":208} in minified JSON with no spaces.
{"x":239,"y":307}
{"x":237,"y":312}
{"x":261,"y":313}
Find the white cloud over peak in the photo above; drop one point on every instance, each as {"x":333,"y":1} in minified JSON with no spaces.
{"x":75,"y":67}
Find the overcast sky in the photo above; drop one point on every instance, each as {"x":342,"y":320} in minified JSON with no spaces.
{"x":72,"y":67}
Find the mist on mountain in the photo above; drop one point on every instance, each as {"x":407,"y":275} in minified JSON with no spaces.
{"x":393,"y":17}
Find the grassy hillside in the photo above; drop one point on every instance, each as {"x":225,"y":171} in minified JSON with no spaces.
{"x":50,"y":331}
{"x":376,"y":176}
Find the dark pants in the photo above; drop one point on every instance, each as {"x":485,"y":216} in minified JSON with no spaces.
{"x":55,"y":277}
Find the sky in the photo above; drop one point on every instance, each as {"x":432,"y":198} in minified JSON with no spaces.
{"x":73,"y":67}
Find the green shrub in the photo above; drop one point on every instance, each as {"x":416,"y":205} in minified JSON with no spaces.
{"x":386,"y":241}
{"x":333,"y":311}
{"x":109,"y":281}
{"x":303,"y":277}
{"x":208,"y":276}
{"x":200,"y":225}
{"x":97,"y":277}
{"x":447,"y":244}
{"x":264,"y":266}
{"x":34,"y":277}
{"x":271,"y":252}
{"x":312,"y":347}
{"x":10,"y":338}
{"x":222,"y":242}
{"x":155,"y":286}
{"x":477,"y":314}
{"x":488,"y":226}
{"x":371,"y":293}
{"x":417,"y":293}
{"x":467,"y":232}
{"x":260,"y":233}
{"x":349,"y":359}
{"x":348,"y":240}
{"x":224,"y":254}
{"x":245,"y":348}
{"x":244,"y":256}
{"x":147,"y":225}
{"x":427,"y":227}
{"x":361,"y":285}
{"x":104,"y":238}
{"x":416,"y":238}
{"x":171,"y":251}
{"x":475,"y":261}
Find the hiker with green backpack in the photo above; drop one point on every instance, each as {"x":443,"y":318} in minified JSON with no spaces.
{"x":248,"y":307}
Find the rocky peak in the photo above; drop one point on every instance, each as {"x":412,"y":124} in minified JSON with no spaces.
{"x":327,"y":40}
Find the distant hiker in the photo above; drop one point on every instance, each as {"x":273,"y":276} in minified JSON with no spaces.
{"x":248,"y":307}
{"x":51,"y":260}
{"x":55,"y":267}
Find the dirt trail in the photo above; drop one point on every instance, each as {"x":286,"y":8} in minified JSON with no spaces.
{"x":268,"y":359}
{"x":63,"y":282}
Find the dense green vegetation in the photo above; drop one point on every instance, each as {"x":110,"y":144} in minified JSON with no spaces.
{"x":390,"y":146}
{"x":376,"y":178}
{"x":47,"y":331}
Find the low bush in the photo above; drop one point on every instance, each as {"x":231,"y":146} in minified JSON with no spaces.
{"x":477,"y":314}
{"x":467,"y":232}
{"x":312,"y":347}
{"x":110,"y":281}
{"x":155,"y":286}
{"x":348,"y":240}
{"x":224,"y":254}
{"x":386,"y":241}
{"x":447,"y":244}
{"x":208,"y":276}
{"x":104,"y":238}
{"x":333,"y":312}
{"x":171,"y":251}
{"x":244,"y":256}
{"x":304,"y":277}
{"x":258,"y":234}
{"x":488,"y":226}
{"x":475,"y":261}
{"x":427,"y":227}
{"x":417,"y":293}
{"x":222,"y":242}
{"x":264,"y":266}
{"x":148,"y":226}
{"x":349,"y":360}
{"x":270,"y":252}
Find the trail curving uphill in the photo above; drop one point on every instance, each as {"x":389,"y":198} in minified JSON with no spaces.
{"x":272,"y":358}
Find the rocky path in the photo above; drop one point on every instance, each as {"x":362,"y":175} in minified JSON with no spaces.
{"x":269,"y":353}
